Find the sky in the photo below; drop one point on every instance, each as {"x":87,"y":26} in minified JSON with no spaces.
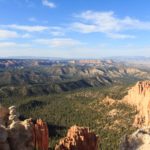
{"x":74,"y":28}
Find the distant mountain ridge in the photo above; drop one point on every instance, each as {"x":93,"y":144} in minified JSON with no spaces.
{"x":43,"y":77}
{"x":120,"y":58}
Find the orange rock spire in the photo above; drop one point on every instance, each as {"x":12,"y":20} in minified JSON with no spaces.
{"x":78,"y":138}
{"x":40,"y":135}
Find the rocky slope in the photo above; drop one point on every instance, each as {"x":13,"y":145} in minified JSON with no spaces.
{"x":139,"y":96}
{"x":41,"y":80}
{"x":114,"y":114}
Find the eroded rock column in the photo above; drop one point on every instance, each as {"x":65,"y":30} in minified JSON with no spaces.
{"x":78,"y":138}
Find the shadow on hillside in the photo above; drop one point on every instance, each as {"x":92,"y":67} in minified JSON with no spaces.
{"x":56,"y":130}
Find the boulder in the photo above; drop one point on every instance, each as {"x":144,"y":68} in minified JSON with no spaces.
{"x":139,"y":140}
{"x":20,"y":135}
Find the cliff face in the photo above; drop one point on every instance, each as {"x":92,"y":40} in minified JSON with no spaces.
{"x":78,"y":138}
{"x":139,"y":96}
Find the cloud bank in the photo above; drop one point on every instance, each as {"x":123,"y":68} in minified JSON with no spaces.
{"x":107,"y":23}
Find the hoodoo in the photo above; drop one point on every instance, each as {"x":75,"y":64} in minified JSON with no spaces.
{"x":139,"y":96}
{"x":78,"y":138}
{"x":21,"y":135}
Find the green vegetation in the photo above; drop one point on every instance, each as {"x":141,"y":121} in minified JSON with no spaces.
{"x":64,"y":94}
{"x":82,"y":107}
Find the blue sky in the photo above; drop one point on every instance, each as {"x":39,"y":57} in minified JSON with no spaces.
{"x":74,"y":28}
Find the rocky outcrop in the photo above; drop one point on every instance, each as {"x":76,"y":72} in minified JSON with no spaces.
{"x":139,"y":140}
{"x":27,"y":135}
{"x":139,"y":96}
{"x":3,"y":139}
{"x":78,"y":138}
{"x":40,"y":135}
{"x":21,"y":135}
{"x":4,"y":112}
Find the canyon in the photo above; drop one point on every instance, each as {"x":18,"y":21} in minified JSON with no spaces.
{"x":29,"y":134}
{"x":43,"y":77}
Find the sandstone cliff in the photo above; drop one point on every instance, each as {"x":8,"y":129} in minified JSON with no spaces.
{"x":139,"y":96}
{"x":78,"y":138}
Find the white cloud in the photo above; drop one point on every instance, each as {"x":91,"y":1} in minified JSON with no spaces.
{"x":107,"y":23}
{"x":58,"y":42}
{"x":48,"y":4}
{"x":84,"y":28}
{"x":26,"y":35}
{"x":7,"y":44}
{"x":120,"y":36}
{"x":13,"y":45}
{"x":101,"y":21}
{"x":27,"y":28}
{"x":56,"y":31}
{"x":131,"y":23}
{"x":8,"y":34}
{"x":53,"y":30}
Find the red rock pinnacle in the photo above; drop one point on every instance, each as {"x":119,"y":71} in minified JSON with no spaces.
{"x":78,"y":138}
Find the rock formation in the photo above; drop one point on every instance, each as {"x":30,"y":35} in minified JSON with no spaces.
{"x":4,"y":113}
{"x":40,"y":135}
{"x":78,"y":138}
{"x":139,"y":140}
{"x":139,"y":96}
{"x":21,"y":135}
{"x":3,"y":139}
